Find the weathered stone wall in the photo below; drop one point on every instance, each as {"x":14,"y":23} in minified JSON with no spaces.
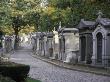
{"x":71,"y":47}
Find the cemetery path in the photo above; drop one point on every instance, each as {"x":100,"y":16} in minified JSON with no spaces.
{"x":50,"y":73}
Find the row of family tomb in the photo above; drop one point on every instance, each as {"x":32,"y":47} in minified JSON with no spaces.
{"x":89,"y":43}
{"x":56,"y":45}
{"x":6,"y":47}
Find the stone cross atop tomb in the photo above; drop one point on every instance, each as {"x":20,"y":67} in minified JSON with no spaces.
{"x":100,"y":14}
{"x":54,"y":29}
{"x":59,"y":24}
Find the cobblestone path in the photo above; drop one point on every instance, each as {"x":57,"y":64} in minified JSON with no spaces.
{"x":49,"y":73}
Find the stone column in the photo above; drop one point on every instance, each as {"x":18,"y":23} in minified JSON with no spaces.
{"x":46,"y":46}
{"x":94,"y":50}
{"x":105,"y":56}
{"x":79,"y":59}
{"x":37,"y":45}
{"x":107,"y":49}
{"x":42,"y":47}
{"x":59,"y":54}
{"x":63,"y":49}
{"x":50,"y":49}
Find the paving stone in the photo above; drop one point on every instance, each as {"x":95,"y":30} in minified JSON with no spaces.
{"x":49,"y":73}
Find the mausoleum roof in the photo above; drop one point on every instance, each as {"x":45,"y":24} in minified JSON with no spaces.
{"x":68,"y":30}
{"x":50,"y":34}
{"x":103,"y":21}
{"x":85,"y":24}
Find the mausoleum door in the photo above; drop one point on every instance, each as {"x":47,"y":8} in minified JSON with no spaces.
{"x":60,"y":45}
{"x":99,"y":47}
{"x":83,"y":48}
{"x":63,"y":44}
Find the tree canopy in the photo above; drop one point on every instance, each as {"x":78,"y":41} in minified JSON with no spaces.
{"x":74,"y":10}
{"x":44,"y":15}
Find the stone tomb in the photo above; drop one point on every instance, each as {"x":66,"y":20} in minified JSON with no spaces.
{"x":55,"y":45}
{"x":38,"y":43}
{"x":49,"y":44}
{"x":61,"y":44}
{"x":44,"y":43}
{"x":94,"y":42}
{"x":68,"y":44}
{"x":101,"y":42}
{"x":85,"y":41}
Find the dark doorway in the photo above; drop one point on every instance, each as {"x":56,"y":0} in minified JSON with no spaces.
{"x":83,"y":48}
{"x":99,"y":47}
{"x":62,"y":46}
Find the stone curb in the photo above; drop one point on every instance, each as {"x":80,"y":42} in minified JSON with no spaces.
{"x":75,"y":69}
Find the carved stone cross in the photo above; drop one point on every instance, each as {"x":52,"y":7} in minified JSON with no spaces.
{"x":99,"y":14}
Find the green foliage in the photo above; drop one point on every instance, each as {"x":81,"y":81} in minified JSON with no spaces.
{"x":17,"y":72}
{"x":31,"y":13}
{"x":74,"y":10}
{"x":4,"y":13}
{"x":32,"y":80}
{"x":10,"y":10}
{"x":32,"y":18}
{"x":5,"y":79}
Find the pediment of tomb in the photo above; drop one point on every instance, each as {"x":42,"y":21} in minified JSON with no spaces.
{"x":100,"y":29}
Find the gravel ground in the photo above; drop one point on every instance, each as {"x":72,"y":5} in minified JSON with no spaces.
{"x":49,"y":73}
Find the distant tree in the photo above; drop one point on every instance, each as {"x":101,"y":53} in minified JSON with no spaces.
{"x":13,"y":13}
{"x":17,"y":24}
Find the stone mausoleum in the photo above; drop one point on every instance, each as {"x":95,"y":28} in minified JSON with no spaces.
{"x":101,"y":42}
{"x":85,"y":41}
{"x":68,"y":44}
{"x":95,"y":42}
{"x":44,"y":44}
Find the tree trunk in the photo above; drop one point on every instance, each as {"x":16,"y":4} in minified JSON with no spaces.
{"x":16,"y":44}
